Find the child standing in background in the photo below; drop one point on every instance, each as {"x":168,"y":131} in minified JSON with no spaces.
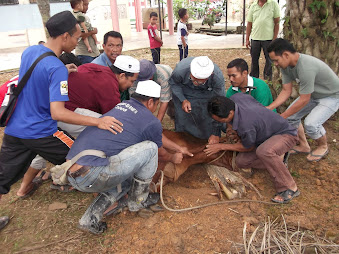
{"x":182,"y":33}
{"x":77,"y":6}
{"x":154,"y":39}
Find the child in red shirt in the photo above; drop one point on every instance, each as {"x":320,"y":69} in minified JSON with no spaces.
{"x":154,"y":39}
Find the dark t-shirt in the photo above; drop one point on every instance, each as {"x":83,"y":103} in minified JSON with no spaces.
{"x":255,"y":123}
{"x":139,"y":124}
{"x":93,"y":87}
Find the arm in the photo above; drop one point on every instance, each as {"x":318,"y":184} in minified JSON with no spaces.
{"x":298,"y":105}
{"x":183,"y":41}
{"x":276,"y":28}
{"x":170,"y":145}
{"x":60,"y":113}
{"x":89,"y":33}
{"x":157,"y":38}
{"x":162,"y":110}
{"x":84,"y":27}
{"x":238,"y":147}
{"x":282,"y":97}
{"x":248,"y":33}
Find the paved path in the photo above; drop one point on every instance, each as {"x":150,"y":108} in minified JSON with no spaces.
{"x":10,"y":57}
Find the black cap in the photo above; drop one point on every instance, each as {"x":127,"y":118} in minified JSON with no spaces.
{"x":60,"y":23}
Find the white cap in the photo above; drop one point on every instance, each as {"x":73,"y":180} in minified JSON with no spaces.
{"x":127,"y":63}
{"x":148,"y":88}
{"x":202,"y":67}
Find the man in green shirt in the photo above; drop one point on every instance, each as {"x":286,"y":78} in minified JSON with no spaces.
{"x":241,"y":82}
{"x":319,"y":95}
{"x":262,"y":26}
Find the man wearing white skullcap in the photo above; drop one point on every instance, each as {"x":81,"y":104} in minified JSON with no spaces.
{"x":193,"y":82}
{"x":131,"y":158}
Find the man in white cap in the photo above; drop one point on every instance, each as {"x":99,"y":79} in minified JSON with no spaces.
{"x":93,"y":90}
{"x":193,"y":82}
{"x":131,"y":158}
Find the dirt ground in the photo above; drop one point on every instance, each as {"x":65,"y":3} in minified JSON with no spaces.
{"x":35,"y":228}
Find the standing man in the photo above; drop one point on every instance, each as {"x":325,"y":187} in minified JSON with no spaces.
{"x":81,"y":50}
{"x":318,"y":99}
{"x":32,"y":129}
{"x":112,"y":49}
{"x":194,"y":81}
{"x":262,"y":26}
{"x":264,"y":137}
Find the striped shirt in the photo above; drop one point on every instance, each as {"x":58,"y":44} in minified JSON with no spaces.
{"x":161,"y":77}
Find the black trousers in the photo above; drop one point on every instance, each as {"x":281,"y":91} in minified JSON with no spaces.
{"x":17,"y":154}
{"x":156,"y":55}
{"x":256,"y":47}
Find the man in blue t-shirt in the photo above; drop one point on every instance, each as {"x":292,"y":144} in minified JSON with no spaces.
{"x":264,"y":137}
{"x":32,"y":128}
{"x":131,"y":158}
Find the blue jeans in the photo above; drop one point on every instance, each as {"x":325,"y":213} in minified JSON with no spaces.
{"x":85,"y":59}
{"x":140,"y":160}
{"x":319,"y":111}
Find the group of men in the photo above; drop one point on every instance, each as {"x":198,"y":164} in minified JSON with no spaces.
{"x":117,"y":154}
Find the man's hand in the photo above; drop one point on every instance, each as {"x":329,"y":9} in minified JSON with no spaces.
{"x":213,"y":140}
{"x":111,"y":124}
{"x":71,"y":68}
{"x":248,"y":44}
{"x":186,"y":106}
{"x":185,"y":151}
{"x":177,"y":158}
{"x":212,"y":149}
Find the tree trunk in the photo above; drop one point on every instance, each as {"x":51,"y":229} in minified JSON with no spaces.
{"x":313,"y":28}
{"x":44,"y":9}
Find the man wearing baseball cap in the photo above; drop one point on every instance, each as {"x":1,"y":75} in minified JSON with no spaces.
{"x":193,"y":82}
{"x":131,"y":158}
{"x":159,"y":73}
{"x":32,"y":129}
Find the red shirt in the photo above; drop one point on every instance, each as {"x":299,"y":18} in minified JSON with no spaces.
{"x":93,"y":87}
{"x":151,"y":35}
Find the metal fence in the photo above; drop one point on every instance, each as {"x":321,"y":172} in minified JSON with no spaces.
{"x":7,"y":2}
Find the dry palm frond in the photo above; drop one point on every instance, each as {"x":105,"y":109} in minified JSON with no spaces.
{"x":277,"y":237}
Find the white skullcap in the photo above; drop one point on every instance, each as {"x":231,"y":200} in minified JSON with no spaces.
{"x":127,"y":63}
{"x":148,"y":88}
{"x":202,"y":67}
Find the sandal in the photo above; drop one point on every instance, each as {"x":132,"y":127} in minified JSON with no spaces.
{"x":287,"y":196}
{"x":62,"y":188}
{"x":31,"y":191}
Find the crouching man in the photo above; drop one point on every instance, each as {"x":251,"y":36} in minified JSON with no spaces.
{"x":132,"y":158}
{"x":264,"y":137}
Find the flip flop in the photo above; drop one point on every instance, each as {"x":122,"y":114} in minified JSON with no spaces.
{"x":319,"y":157}
{"x":295,"y":151}
{"x":39,"y":179}
{"x":287,"y":196}
{"x":62,"y":188}
{"x":30,"y":193}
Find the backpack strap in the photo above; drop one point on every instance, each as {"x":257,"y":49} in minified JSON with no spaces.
{"x":17,"y":90}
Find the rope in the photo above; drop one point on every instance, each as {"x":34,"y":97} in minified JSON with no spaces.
{"x":209,"y":204}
